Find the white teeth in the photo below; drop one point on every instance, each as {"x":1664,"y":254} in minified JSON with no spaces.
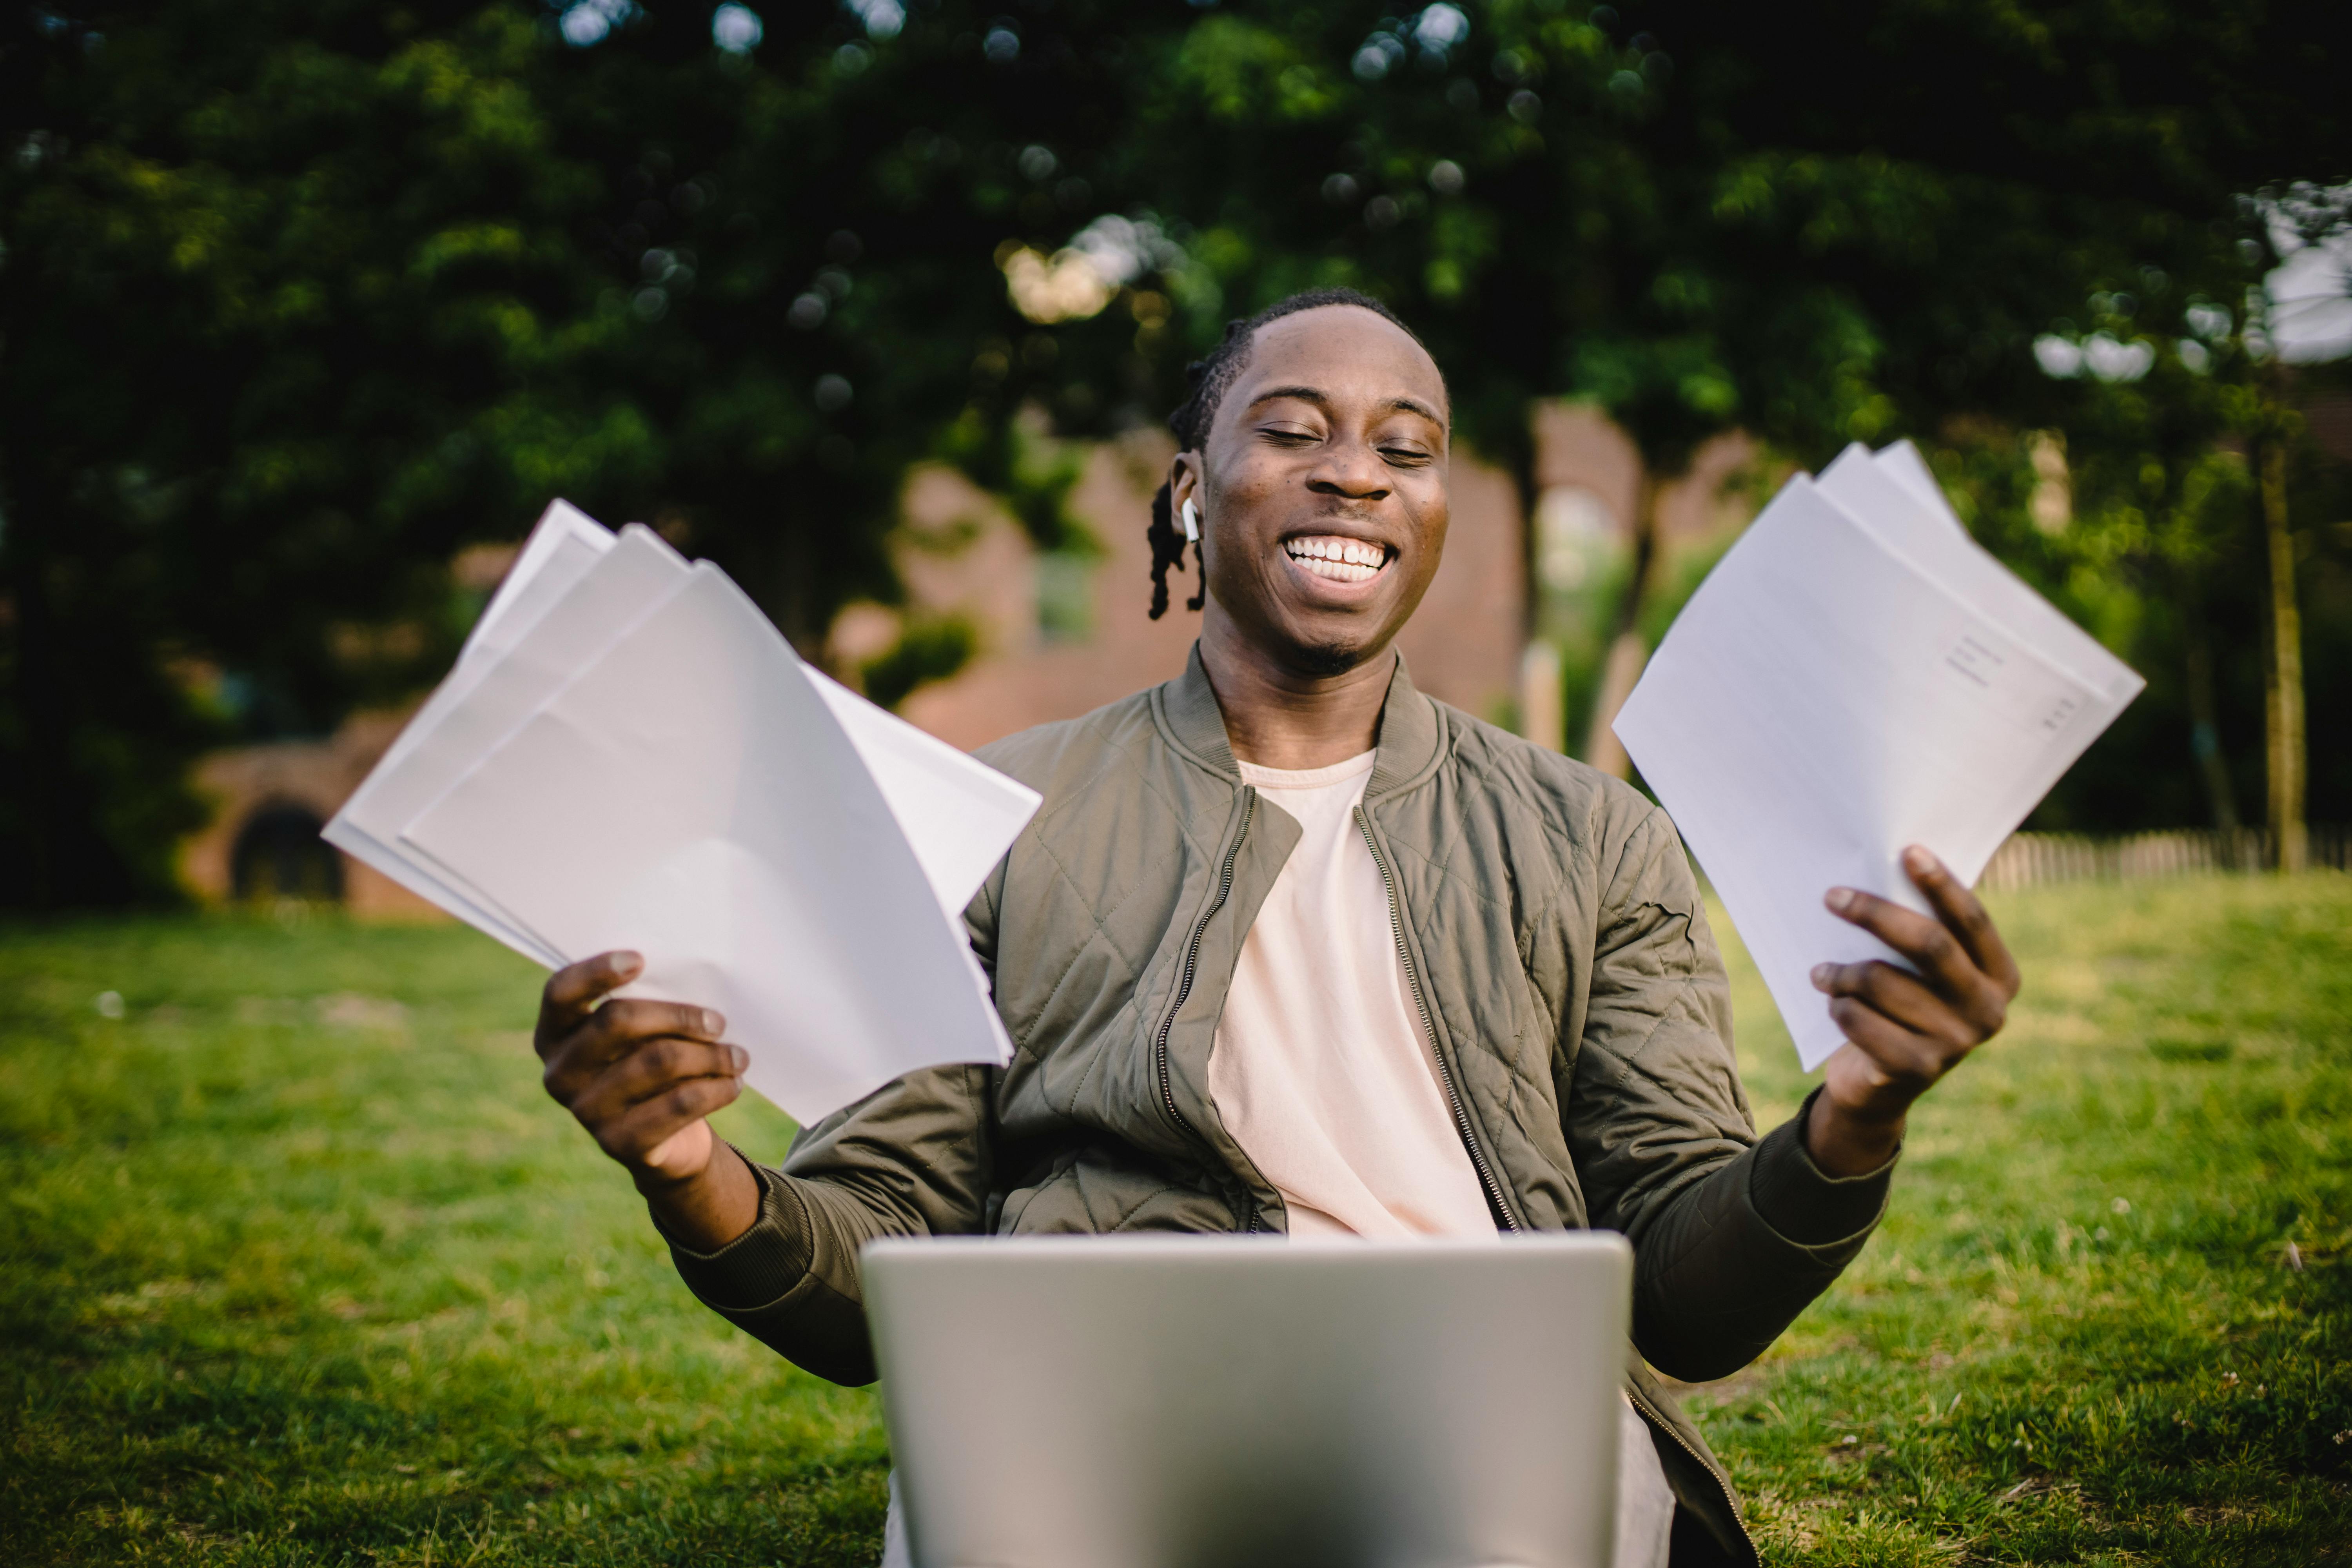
{"x":1338,"y":560}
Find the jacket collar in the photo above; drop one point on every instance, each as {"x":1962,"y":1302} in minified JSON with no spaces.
{"x":1413,"y":736}
{"x":1412,"y":730}
{"x":1187,"y":705}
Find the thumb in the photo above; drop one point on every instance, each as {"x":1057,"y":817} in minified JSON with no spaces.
{"x":685,"y":1153}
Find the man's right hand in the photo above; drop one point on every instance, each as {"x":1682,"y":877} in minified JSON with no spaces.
{"x":641,"y":1077}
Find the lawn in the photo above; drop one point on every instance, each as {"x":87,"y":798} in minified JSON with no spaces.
{"x":301,"y":1266}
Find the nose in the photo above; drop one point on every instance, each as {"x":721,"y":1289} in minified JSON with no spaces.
{"x":1350,"y":470}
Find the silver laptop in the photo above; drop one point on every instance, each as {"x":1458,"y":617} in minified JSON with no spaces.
{"x":1184,"y":1401}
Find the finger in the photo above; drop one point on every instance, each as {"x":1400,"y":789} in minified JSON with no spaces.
{"x":622,"y":1026}
{"x":1902,"y":997}
{"x":1966,"y":916}
{"x":1940,"y":959}
{"x":1903,"y":1058}
{"x":618,"y":1028}
{"x":651,"y":1124}
{"x":1946,"y":967}
{"x":572,"y":992}
{"x":655,"y":1069}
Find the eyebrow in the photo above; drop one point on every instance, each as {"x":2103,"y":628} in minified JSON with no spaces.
{"x":1321,"y":400}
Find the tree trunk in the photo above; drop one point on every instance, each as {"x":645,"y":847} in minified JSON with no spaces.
{"x":1529,"y":486}
{"x":1543,"y":708}
{"x":1627,"y":653}
{"x":2204,"y":715}
{"x":43,"y":728}
{"x":2283,"y":705}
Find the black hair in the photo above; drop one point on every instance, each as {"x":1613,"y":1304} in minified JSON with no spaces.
{"x":1211,"y":379}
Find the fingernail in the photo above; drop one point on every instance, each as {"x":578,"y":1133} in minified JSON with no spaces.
{"x":712,"y":1024}
{"x":627,"y":963}
{"x":1917,"y":861}
{"x":1840,"y":899}
{"x":1821,"y":976}
{"x":740,"y":1058}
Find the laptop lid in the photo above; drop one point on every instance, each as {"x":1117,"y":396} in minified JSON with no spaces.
{"x":1180,"y":1402}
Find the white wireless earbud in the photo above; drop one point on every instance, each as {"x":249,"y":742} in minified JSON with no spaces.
{"x":1191,"y":523}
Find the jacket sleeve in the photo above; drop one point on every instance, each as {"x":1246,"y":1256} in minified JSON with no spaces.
{"x":914,"y":1158}
{"x":1732,"y":1236}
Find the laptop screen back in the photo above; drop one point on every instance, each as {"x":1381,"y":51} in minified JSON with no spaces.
{"x":1179,"y":1402}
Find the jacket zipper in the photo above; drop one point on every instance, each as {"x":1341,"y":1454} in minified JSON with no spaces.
{"x":1486,"y":1172}
{"x":1444,"y":1071}
{"x":1650,"y":1413}
{"x":1192,"y":959}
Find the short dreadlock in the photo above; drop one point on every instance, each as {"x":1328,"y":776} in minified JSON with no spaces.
{"x":1211,"y":379}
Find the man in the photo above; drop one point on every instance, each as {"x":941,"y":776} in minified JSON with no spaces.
{"x":1292,"y":947}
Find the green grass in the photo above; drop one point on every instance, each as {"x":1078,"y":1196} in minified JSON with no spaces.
{"x":2107,"y":1319}
{"x":297,"y":1264}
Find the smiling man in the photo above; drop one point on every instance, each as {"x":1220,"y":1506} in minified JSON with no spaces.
{"x":1292,"y":947}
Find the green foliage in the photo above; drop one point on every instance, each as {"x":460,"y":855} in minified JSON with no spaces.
{"x":296,"y":300}
{"x":1702,"y":216}
{"x":2146,"y":528}
{"x":276,"y":279}
{"x":928,"y":648}
{"x":1030,"y":471}
{"x":305,"y":1267}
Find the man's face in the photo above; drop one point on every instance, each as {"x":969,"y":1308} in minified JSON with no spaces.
{"x":1321,"y":488}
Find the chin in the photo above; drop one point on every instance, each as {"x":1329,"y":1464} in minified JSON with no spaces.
{"x":1325,"y":660}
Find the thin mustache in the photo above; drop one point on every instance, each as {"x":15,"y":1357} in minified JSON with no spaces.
{"x":1357,"y":518}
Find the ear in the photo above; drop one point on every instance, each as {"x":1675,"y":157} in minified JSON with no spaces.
{"x":1185,"y":484}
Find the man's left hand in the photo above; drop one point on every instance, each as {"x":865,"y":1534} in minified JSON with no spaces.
{"x":1905,"y":1030}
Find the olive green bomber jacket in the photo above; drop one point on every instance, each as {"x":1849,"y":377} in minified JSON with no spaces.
{"x":1554,"y":937}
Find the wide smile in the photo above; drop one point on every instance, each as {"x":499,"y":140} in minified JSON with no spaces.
{"x":1335,"y":558}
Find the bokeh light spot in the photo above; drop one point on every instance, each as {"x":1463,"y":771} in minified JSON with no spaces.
{"x":736,"y":28}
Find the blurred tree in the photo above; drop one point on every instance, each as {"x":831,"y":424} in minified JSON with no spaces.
{"x":278,"y":280}
{"x":296,"y":300}
{"x":2172,"y":494}
{"x":800,"y":226}
{"x":1704,"y":217}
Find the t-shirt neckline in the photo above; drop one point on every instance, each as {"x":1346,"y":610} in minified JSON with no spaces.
{"x":1307,"y":778}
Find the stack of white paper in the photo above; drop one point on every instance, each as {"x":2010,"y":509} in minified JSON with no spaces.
{"x":1856,"y":677}
{"x":628,"y":755}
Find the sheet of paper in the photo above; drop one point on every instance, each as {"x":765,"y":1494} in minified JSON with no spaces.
{"x":1932,"y":539}
{"x":1903,"y":464}
{"x":691,"y":794}
{"x":482,"y":703}
{"x":560,"y":549}
{"x":959,"y":814}
{"x":1822,"y":703}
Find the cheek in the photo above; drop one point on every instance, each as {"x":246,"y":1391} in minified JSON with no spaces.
{"x":1431,"y":518}
{"x":1243,"y":488}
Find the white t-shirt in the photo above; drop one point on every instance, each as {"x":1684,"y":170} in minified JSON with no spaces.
{"x":1320,"y":1070}
{"x":1323,"y":1074}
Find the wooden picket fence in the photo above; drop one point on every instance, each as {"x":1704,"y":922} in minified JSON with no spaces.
{"x":2038,"y":859}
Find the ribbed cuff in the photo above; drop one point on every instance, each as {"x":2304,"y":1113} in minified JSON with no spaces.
{"x":1802,"y":1202}
{"x":761,"y":1264}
